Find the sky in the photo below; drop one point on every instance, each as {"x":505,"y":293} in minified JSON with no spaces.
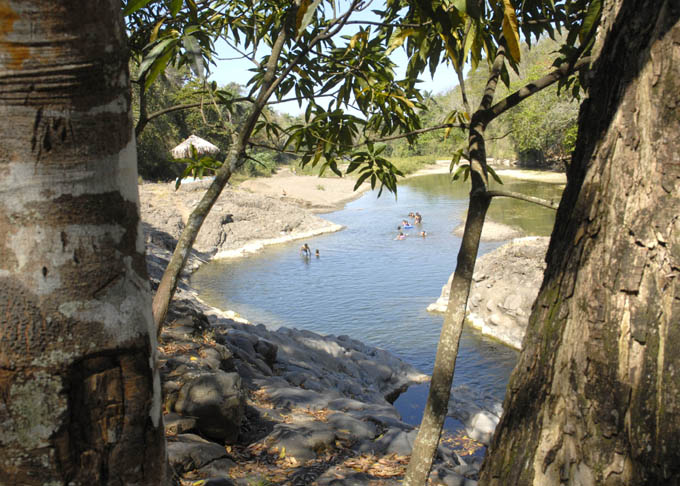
{"x":230,"y":69}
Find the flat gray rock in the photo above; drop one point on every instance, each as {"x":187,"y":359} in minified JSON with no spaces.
{"x":350,"y":428}
{"x":396,"y":441}
{"x":218,"y":468}
{"x":302,"y":440}
{"x":188,"y":452}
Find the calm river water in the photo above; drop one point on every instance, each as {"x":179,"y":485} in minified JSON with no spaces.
{"x":374,"y":288}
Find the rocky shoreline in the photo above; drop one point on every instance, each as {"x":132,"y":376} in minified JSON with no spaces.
{"x":245,"y":405}
{"x":505,"y":284}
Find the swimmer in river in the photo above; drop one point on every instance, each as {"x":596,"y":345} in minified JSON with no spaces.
{"x":400,"y":236}
{"x":423,"y":234}
{"x":317,"y":253}
{"x":305,"y":250}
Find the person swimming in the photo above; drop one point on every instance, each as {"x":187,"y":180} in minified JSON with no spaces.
{"x":305,"y":250}
{"x":418,"y":218}
{"x":317,"y":253}
{"x":423,"y":234}
{"x":400,"y":236}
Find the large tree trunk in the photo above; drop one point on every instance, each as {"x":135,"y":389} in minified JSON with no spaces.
{"x":595,"y":396}
{"x":79,"y":388}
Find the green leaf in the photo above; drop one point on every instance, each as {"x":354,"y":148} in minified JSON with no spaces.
{"x":361,"y":179}
{"x":175,"y":7}
{"x":469,"y":40}
{"x":456,"y":159}
{"x":157,"y":67}
{"x":494,"y":175}
{"x":398,"y":39}
{"x":463,"y":170}
{"x":591,"y":19}
{"x":460,"y":5}
{"x":156,"y":52}
{"x":134,"y":5}
{"x":194,"y":53}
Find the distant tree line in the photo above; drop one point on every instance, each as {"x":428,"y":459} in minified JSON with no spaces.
{"x":540,"y":131}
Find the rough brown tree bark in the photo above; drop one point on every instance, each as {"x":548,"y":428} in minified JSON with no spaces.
{"x":79,"y":389}
{"x":595,"y":396}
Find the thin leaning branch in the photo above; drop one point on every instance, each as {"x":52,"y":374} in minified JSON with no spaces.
{"x":523,"y":197}
{"x":141,"y":124}
{"x":415,"y":132}
{"x":565,"y":69}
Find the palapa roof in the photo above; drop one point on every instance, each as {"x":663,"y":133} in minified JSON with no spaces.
{"x":183,"y":150}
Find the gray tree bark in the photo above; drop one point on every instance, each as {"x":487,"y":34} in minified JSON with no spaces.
{"x":80,"y":399}
{"x":595,"y":396}
{"x":437,"y":405}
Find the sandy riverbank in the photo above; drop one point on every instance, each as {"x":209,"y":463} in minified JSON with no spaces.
{"x":442,"y":167}
{"x":323,"y":194}
{"x":320,"y":194}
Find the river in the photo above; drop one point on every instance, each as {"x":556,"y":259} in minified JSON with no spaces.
{"x":374,"y":288}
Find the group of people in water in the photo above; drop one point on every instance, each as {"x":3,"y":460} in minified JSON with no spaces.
{"x":406,"y":224}
{"x":306,"y":251}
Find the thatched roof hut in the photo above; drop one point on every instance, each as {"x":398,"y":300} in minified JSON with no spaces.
{"x":183,"y":150}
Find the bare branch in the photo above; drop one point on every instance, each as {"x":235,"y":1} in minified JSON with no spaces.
{"x":522,"y":197}
{"x":415,"y":132}
{"x":564,"y":70}
{"x":501,"y":137}
{"x":141,"y":124}
{"x":244,"y":55}
{"x":387,"y":24}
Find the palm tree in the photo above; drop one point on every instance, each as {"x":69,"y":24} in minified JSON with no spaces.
{"x":79,"y":388}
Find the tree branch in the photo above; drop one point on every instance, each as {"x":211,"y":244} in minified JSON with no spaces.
{"x":387,"y":24}
{"x":522,"y":197}
{"x":564,"y":70}
{"x":414,"y":132}
{"x":141,"y":124}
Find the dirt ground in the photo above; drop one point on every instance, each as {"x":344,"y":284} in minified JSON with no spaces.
{"x":317,"y":193}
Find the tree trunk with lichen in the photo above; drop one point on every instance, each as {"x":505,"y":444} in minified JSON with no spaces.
{"x":79,"y":389}
{"x":595,"y":396}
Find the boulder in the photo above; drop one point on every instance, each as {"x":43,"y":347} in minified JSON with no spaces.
{"x":217,"y":401}
{"x":505,"y":284}
{"x":188,"y":452}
